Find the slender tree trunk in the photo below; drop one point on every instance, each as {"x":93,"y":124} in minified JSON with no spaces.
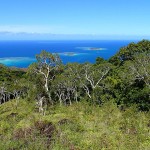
{"x":50,"y":98}
{"x":70,"y":101}
{"x":60,"y":100}
{"x":76,"y":97}
{"x":46,"y":84}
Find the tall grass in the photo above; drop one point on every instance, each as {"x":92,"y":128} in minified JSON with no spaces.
{"x":77,"y":127}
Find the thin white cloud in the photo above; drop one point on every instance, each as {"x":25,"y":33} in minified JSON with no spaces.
{"x":30,"y":29}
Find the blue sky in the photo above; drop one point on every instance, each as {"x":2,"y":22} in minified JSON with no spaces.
{"x":90,"y":18}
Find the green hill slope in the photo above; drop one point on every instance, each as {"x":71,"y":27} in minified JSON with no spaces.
{"x":76,"y":127}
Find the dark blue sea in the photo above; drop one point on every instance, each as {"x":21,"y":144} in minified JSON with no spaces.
{"x":22,"y":53}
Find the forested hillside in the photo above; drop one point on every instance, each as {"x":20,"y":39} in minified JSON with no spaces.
{"x":73,"y":105}
{"x":123,"y":79}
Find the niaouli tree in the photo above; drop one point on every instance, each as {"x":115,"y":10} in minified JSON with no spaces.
{"x":47,"y":65}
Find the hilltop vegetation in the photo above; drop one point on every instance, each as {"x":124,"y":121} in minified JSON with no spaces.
{"x":76,"y":127}
{"x":78,"y":106}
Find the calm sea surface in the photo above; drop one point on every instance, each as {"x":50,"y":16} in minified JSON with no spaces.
{"x":22,"y":53}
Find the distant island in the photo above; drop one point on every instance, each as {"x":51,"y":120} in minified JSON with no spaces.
{"x":95,"y":48}
{"x":91,"y":48}
{"x":69,"y":53}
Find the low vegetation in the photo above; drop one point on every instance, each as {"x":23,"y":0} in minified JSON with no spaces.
{"x":76,"y":127}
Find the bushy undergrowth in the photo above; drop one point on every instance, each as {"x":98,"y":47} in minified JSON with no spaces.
{"x":76,"y":127}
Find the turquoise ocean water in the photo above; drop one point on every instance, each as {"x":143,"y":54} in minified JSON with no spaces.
{"x":22,"y":53}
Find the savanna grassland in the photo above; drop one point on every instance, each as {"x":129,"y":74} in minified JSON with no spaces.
{"x":77,"y":127}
